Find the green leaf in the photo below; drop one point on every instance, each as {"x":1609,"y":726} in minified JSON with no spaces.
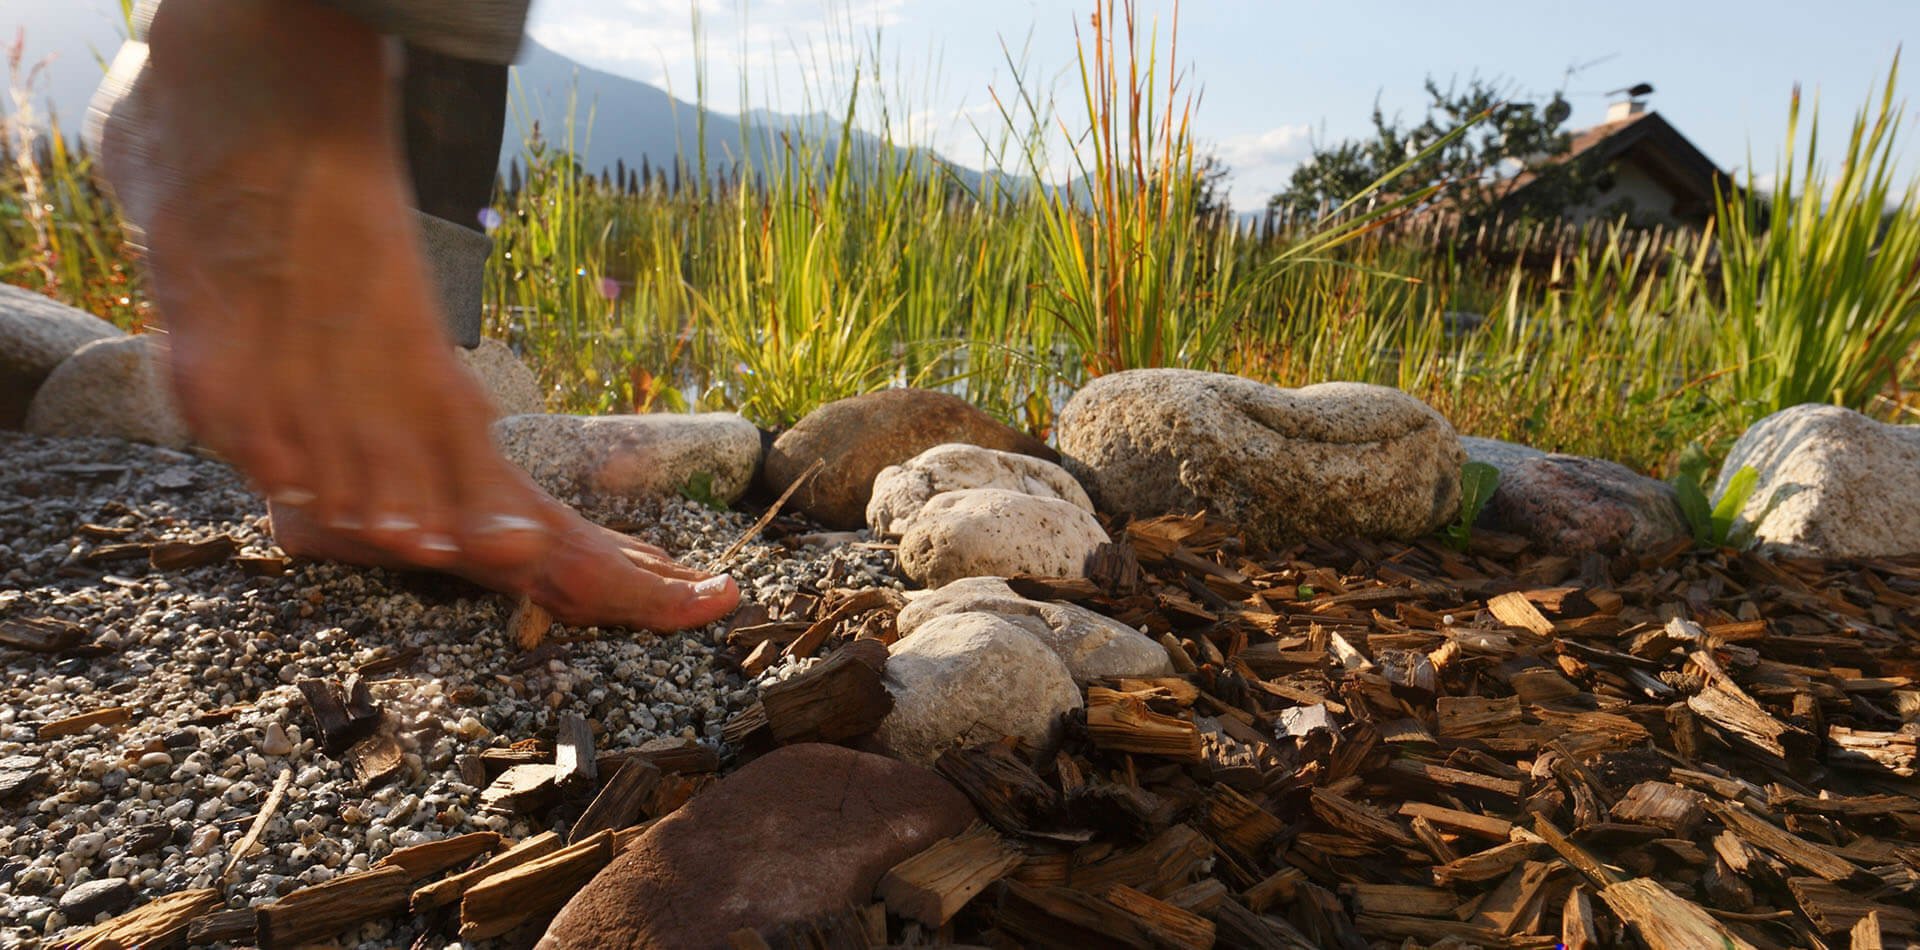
{"x":1733,"y":501}
{"x":1693,"y":464}
{"x":1478,"y":481}
{"x":1696,"y":508}
{"x":699,"y":488}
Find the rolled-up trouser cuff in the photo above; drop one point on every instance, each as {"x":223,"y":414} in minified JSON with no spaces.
{"x":485,"y":30}
{"x":456,"y":255}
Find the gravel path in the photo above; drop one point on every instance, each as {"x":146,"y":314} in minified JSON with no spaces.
{"x":159,"y":802}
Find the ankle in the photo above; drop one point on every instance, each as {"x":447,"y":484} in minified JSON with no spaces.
{"x":246,"y":68}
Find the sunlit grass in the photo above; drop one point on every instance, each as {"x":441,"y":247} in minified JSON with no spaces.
{"x":1822,"y":277}
{"x":58,"y":234}
{"x":810,"y":271}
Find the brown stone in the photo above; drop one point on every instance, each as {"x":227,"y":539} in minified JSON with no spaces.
{"x":804,"y":830}
{"x":858,"y":437}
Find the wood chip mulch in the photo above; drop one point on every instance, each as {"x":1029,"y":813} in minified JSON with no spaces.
{"x":1368,"y":744}
{"x":1399,"y":745}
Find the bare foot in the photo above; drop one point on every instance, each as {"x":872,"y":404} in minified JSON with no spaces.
{"x":304,"y":340}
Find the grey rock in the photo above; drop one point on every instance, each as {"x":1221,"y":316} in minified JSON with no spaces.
{"x":511,"y":387}
{"x":963,"y":679}
{"x":901,"y":491}
{"x":853,"y":439}
{"x":20,"y":774}
{"x":83,"y":902}
{"x":1091,"y":644}
{"x":1833,"y":483}
{"x":114,"y":388}
{"x":1327,"y":460}
{"x":37,"y":333}
{"x":1568,"y":504}
{"x":1500,"y":455}
{"x":991,"y":532}
{"x":634,"y":456}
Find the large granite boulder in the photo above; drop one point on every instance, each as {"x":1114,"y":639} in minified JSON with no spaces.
{"x":1832,"y":483}
{"x":991,"y":532}
{"x":37,"y":333}
{"x":856,"y":438}
{"x":1283,"y":464}
{"x":964,"y":679}
{"x":901,"y":491}
{"x":1568,"y":504}
{"x":657,"y":455}
{"x":115,"y":388}
{"x":1092,"y":645}
{"x":799,"y":832}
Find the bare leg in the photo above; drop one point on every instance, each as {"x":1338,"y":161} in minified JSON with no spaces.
{"x":305,"y":345}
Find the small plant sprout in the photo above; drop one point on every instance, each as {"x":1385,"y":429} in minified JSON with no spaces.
{"x":1477,"y":483}
{"x":699,"y":489}
{"x":1713,"y":523}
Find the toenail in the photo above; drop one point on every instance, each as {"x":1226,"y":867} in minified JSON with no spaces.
{"x":395,"y":523}
{"x":293,"y":496}
{"x":438,"y":543}
{"x":501,"y":524}
{"x":712,"y":585}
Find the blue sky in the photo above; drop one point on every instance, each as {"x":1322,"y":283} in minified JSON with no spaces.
{"x":1275,"y":76}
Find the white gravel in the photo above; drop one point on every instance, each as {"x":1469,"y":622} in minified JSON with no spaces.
{"x":159,"y":802}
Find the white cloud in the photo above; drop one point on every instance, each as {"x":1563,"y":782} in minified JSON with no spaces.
{"x":792,"y":54}
{"x":1261,"y":161}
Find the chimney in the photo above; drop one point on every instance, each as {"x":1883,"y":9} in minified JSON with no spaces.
{"x":1632,"y":102}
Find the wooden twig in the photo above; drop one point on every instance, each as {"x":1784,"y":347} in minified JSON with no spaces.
{"x":932,"y":886}
{"x":323,"y":910}
{"x":159,"y":923}
{"x":448,"y":890}
{"x":423,"y":861}
{"x":259,"y":826}
{"x":766,"y":517}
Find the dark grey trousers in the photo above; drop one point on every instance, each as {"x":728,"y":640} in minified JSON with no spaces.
{"x":454,"y":111}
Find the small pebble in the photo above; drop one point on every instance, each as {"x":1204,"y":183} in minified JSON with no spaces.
{"x":204,"y":841}
{"x":275,"y":741}
{"x":213,"y":656}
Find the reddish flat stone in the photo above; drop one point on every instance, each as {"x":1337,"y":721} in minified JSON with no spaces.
{"x":801,"y":831}
{"x":1570,"y":505}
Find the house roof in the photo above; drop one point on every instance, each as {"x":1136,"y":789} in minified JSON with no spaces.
{"x":1652,"y":142}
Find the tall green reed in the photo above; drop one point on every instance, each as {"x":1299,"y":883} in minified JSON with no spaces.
{"x":58,"y":233}
{"x":828,"y":263}
{"x":1821,"y":278}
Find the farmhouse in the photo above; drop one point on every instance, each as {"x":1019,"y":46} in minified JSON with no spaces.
{"x":1652,"y":174}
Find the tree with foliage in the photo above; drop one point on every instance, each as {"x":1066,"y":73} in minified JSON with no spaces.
{"x":1478,"y":172}
{"x":1210,"y":187}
